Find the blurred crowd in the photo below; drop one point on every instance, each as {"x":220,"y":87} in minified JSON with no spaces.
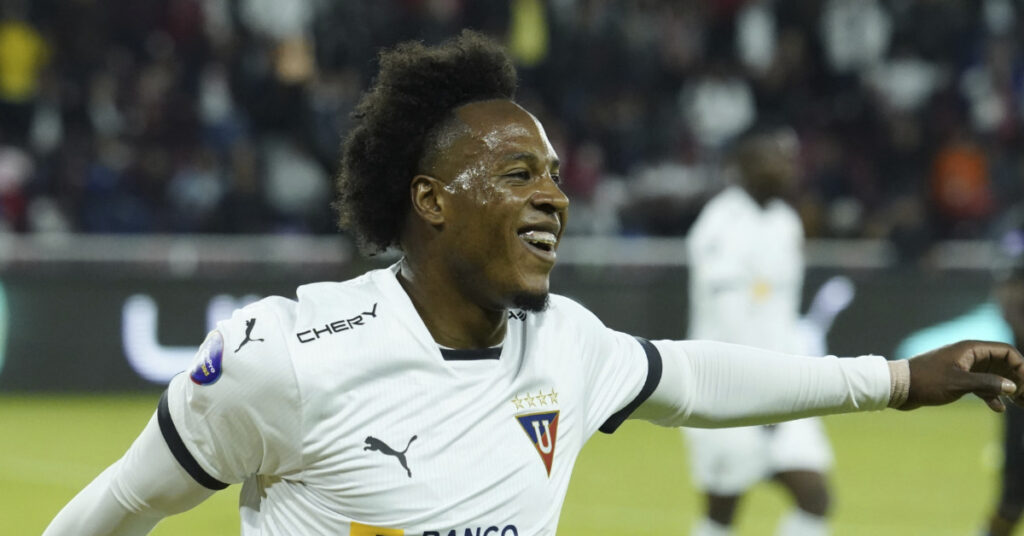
{"x":225,"y":116}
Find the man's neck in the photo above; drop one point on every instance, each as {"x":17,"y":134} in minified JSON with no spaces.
{"x":760,"y":198}
{"x":453,"y":320}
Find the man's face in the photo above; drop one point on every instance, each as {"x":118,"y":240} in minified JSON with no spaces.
{"x":504,"y":213}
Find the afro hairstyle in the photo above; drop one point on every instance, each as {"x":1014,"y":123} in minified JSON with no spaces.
{"x":416,"y":91}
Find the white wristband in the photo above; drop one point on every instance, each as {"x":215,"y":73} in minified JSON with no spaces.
{"x":899,"y":382}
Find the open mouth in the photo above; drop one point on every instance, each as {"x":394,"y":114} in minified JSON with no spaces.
{"x":543,"y":240}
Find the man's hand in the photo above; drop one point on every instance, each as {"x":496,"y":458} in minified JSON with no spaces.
{"x":987,"y":369}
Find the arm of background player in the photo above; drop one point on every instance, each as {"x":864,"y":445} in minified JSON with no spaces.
{"x":711,"y":384}
{"x":131,"y":496}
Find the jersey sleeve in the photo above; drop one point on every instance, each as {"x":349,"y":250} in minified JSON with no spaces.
{"x":713,"y":384}
{"x":236,"y":412}
{"x":620,"y":372}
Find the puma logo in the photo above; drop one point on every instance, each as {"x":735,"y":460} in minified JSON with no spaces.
{"x":249,"y":324}
{"x":372,"y":443}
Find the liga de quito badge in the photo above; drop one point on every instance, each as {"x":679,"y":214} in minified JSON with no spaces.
{"x":541,"y":427}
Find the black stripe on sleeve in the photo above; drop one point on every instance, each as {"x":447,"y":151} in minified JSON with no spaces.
{"x":181,"y":453}
{"x":653,"y":378}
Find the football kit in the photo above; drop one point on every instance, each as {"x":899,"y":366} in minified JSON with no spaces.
{"x":341,"y":414}
{"x":746,"y":277}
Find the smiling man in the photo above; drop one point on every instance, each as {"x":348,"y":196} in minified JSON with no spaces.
{"x":450,"y":394}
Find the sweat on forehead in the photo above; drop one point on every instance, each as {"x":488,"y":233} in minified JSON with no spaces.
{"x":489,"y":121}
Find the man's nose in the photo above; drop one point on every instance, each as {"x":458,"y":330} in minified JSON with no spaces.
{"x":550,"y":196}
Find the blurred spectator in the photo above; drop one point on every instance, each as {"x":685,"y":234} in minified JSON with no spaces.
{"x":45,"y":217}
{"x":718,"y":104}
{"x":528,"y":33}
{"x":905,"y":82}
{"x":194,"y":191}
{"x":756,"y":36}
{"x":297,"y":188}
{"x":583,"y":171}
{"x":855,"y":34}
{"x":218,"y":114}
{"x":243,"y":208}
{"x":15,"y":168}
{"x":994,"y":89}
{"x":278,"y":21}
{"x":23,"y":55}
{"x":960,"y":187}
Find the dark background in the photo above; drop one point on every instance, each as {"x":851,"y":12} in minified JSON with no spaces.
{"x":65,"y":325}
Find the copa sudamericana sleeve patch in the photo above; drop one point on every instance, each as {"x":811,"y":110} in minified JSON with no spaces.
{"x":209,"y":360}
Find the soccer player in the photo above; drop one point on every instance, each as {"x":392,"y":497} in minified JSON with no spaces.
{"x":746,"y":277}
{"x":451,"y":393}
{"x":1009,"y":292}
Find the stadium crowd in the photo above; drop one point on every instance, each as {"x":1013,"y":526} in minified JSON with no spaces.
{"x":224,"y":116}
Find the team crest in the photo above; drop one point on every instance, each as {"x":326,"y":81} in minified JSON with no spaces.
{"x":542,"y":429}
{"x":207,"y":368}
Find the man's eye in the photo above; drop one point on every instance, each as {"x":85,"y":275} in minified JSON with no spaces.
{"x":557,"y":178}
{"x":524,"y":175}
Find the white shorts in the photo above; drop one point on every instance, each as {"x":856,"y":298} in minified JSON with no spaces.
{"x":728,"y":461}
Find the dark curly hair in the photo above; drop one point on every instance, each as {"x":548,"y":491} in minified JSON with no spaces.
{"x":413,"y":96}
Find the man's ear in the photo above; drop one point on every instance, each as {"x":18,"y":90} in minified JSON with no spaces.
{"x":427,"y":198}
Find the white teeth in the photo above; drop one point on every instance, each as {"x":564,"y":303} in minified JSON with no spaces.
{"x":539,"y":237}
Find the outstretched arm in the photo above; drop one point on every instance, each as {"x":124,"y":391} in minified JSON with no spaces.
{"x":131,"y":496}
{"x":711,"y":384}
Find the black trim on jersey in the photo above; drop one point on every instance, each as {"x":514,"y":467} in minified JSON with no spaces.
{"x":181,"y":453}
{"x":653,"y":379}
{"x":470,"y":355}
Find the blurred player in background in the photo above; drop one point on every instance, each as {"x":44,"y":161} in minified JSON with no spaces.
{"x":746,"y":278}
{"x":451,"y":393}
{"x":1009,"y":292}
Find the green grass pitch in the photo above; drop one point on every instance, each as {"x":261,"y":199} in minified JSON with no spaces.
{"x":931,"y":472}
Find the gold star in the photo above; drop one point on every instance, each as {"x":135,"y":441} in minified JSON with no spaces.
{"x":518,"y":402}
{"x":553,"y":396}
{"x":542,"y":397}
{"x":530,"y":399}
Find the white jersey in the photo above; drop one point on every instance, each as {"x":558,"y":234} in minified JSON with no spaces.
{"x":746,"y":272}
{"x":342,"y":415}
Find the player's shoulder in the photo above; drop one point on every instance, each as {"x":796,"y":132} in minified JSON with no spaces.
{"x":562,"y":311}
{"x":247,"y":347}
{"x":327,"y":298}
{"x":783,"y":210}
{"x":565,"y":319}
{"x":248,"y":344}
{"x":730,"y":198}
{"x":565,"y":305}
{"x":260,"y":335}
{"x":786,"y":218}
{"x":256,"y":344}
{"x":330,"y":293}
{"x":722,"y":208}
{"x":272,"y":315}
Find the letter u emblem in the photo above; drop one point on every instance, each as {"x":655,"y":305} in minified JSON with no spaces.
{"x":544,"y":441}
{"x":542,"y":429}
